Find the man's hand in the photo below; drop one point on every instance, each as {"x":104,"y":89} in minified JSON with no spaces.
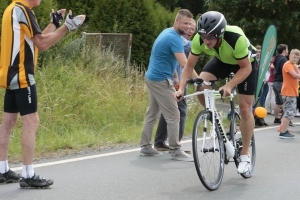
{"x":176,"y":83}
{"x":57,"y":17}
{"x":226,"y":90}
{"x":178,"y":95}
{"x":73,"y":23}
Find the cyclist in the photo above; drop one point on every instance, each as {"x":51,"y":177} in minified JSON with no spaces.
{"x":231,"y":51}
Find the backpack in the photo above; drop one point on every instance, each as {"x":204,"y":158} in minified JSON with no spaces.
{"x":259,"y":121}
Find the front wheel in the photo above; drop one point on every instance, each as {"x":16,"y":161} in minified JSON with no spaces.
{"x":208,"y":151}
{"x":238,"y":144}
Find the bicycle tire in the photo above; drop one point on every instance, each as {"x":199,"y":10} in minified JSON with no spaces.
{"x":209,"y":164}
{"x":238,"y":146}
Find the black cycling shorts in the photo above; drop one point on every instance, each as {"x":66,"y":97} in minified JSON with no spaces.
{"x":222,"y":70}
{"x":21,"y":100}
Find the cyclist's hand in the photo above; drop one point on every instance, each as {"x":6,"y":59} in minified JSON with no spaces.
{"x":57,"y":17}
{"x":178,"y":95}
{"x":73,"y":23}
{"x":226,"y":90}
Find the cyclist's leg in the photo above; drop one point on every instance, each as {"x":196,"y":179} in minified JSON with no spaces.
{"x":246,"y":91}
{"x":247,"y":120}
{"x":211,"y":71}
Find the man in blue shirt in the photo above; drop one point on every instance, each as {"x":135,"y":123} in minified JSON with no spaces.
{"x":167,"y":50}
{"x":161,"y":132}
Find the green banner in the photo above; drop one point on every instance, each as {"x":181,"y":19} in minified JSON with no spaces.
{"x":267,"y":51}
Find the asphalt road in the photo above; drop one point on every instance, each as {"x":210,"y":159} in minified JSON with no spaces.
{"x":123,"y":174}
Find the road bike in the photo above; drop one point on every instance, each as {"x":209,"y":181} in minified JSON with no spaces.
{"x":212,"y":145}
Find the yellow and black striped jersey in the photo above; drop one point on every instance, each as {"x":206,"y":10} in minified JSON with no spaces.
{"x":18,"y":53}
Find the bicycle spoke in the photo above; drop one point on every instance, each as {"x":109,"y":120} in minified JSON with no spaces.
{"x":208,"y":152}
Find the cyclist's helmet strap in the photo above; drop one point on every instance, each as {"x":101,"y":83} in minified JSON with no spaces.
{"x":212,"y":22}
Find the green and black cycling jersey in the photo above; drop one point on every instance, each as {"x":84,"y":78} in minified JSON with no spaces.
{"x":235,"y":46}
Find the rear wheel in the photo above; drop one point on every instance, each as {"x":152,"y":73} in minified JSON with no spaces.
{"x":238,"y":144}
{"x":209,"y":161}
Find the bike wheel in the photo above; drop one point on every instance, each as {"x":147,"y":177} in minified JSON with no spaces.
{"x":209,"y":162}
{"x":238,"y":144}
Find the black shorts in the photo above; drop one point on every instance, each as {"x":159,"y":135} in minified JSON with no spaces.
{"x":277,"y":90}
{"x":21,"y":100}
{"x":222,"y":70}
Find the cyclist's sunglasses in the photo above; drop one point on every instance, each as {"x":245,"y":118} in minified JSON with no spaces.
{"x":211,"y":37}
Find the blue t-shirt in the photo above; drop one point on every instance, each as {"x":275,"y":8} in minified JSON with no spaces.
{"x":162,"y":60}
{"x":187,"y":48}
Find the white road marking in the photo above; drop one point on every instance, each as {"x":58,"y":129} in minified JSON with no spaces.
{"x":106,"y":154}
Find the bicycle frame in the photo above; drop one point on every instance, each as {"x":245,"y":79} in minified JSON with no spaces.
{"x":210,"y":106}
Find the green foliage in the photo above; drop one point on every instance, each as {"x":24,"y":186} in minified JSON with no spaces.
{"x":86,"y":7}
{"x":145,"y":19}
{"x":168,"y":4}
{"x":196,"y":7}
{"x":42,"y":12}
{"x":86,"y":103}
{"x":254,"y":17}
{"x":3,"y":5}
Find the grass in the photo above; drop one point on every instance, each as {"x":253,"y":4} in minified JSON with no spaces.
{"x":87,"y":104}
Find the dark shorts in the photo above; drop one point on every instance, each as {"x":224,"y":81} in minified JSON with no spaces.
{"x":277,"y":90}
{"x":222,"y":70}
{"x":22,"y":100}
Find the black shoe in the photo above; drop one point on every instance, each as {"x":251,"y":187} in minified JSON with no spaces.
{"x":9,"y":177}
{"x":259,"y":121}
{"x":162,"y":147}
{"x":277,"y":121}
{"x":286,"y":135}
{"x":291,"y":123}
{"x":35,"y":182}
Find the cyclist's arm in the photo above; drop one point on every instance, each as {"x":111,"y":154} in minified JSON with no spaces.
{"x":242,"y":73}
{"x":188,"y":71}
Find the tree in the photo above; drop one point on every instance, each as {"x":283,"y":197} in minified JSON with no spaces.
{"x":86,"y":7}
{"x":145,"y":19}
{"x":43,"y":11}
{"x":254,"y":17}
{"x":196,"y":7}
{"x":168,"y":4}
{"x":3,"y":5}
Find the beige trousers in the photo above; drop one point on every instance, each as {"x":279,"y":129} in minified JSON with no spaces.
{"x":161,"y":101}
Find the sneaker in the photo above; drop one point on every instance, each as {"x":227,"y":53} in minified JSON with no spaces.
{"x":149,"y":151}
{"x":186,"y":151}
{"x":9,"y":177}
{"x":35,"y":182}
{"x":244,"y":164}
{"x":280,"y":129}
{"x":286,"y":135}
{"x":179,"y":154}
{"x":162,"y":147}
{"x":277,"y":121}
{"x":291,"y":124}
